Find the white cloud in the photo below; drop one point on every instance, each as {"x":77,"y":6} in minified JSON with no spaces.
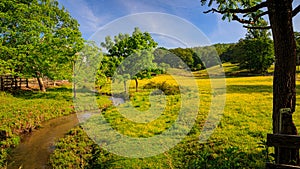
{"x":92,"y":17}
{"x":89,"y":21}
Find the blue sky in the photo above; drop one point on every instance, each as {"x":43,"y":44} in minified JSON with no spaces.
{"x":95,"y":14}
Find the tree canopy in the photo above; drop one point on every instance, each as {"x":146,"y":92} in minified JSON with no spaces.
{"x":131,"y":56}
{"x":256,"y":55}
{"x":38,"y":38}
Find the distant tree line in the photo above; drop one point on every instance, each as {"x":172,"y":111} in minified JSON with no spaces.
{"x":254,"y":53}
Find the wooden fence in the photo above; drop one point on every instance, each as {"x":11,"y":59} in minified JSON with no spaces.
{"x":282,"y":141}
{"x":12,"y":82}
{"x":8,"y":82}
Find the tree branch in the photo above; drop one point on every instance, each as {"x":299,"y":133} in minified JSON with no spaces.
{"x":213,"y":10}
{"x":236,"y":18}
{"x":257,"y":27}
{"x":260,"y":15}
{"x":296,"y":10}
{"x":243,"y":21}
{"x":246,"y":10}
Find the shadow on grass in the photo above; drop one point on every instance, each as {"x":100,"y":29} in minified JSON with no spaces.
{"x":229,"y":75}
{"x":198,"y":156}
{"x":245,"y":74}
{"x":231,"y":157}
{"x":60,"y":89}
{"x":61,"y":93}
{"x":249,"y":89}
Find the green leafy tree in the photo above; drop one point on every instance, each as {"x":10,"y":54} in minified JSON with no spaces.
{"x":178,"y":58}
{"x":255,"y":52}
{"x":159,"y":55}
{"x":165,"y":56}
{"x":108,"y":65}
{"x":137,"y":66}
{"x":208,"y":55}
{"x":280,"y":13}
{"x":259,"y":33}
{"x":86,"y":68}
{"x":223,"y":51}
{"x":228,"y":54}
{"x":124,"y":46}
{"x":38,"y":39}
{"x":186,"y":55}
{"x":256,"y":55}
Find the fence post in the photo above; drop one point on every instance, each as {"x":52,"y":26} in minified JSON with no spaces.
{"x":16,"y":82}
{"x":27,"y":85}
{"x":286,"y":126}
{"x":2,"y":83}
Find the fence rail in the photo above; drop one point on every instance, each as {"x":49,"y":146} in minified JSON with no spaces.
{"x":282,"y":141}
{"x":8,"y":82}
{"x":12,"y":82}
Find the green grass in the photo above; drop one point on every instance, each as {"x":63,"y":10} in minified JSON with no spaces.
{"x":237,"y":142}
{"x":23,"y":111}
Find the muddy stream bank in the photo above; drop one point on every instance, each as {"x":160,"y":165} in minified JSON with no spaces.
{"x":35,"y":148}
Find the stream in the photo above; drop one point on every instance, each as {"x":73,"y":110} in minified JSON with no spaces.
{"x":35,"y":148}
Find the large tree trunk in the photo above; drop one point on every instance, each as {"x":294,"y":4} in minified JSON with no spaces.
{"x":284,"y":88}
{"x":41,"y":82}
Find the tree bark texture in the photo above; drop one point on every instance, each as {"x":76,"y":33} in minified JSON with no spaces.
{"x":41,"y":82}
{"x":284,"y":88}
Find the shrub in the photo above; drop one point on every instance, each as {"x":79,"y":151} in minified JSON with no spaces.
{"x":166,"y":88}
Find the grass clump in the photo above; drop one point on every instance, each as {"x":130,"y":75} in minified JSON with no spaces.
{"x":164,"y":87}
{"x":79,"y":151}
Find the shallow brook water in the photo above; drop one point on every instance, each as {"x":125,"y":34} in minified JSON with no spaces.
{"x":35,"y":148}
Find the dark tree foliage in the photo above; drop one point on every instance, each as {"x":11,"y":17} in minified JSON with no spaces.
{"x":179,"y":58}
{"x":225,"y":51}
{"x":256,"y":55}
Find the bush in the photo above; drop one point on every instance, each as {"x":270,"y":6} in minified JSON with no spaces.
{"x":166,"y":88}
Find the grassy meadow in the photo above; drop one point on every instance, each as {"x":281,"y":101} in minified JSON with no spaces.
{"x":237,"y":142}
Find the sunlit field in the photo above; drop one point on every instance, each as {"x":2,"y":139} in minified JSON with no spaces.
{"x":238,"y":141}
